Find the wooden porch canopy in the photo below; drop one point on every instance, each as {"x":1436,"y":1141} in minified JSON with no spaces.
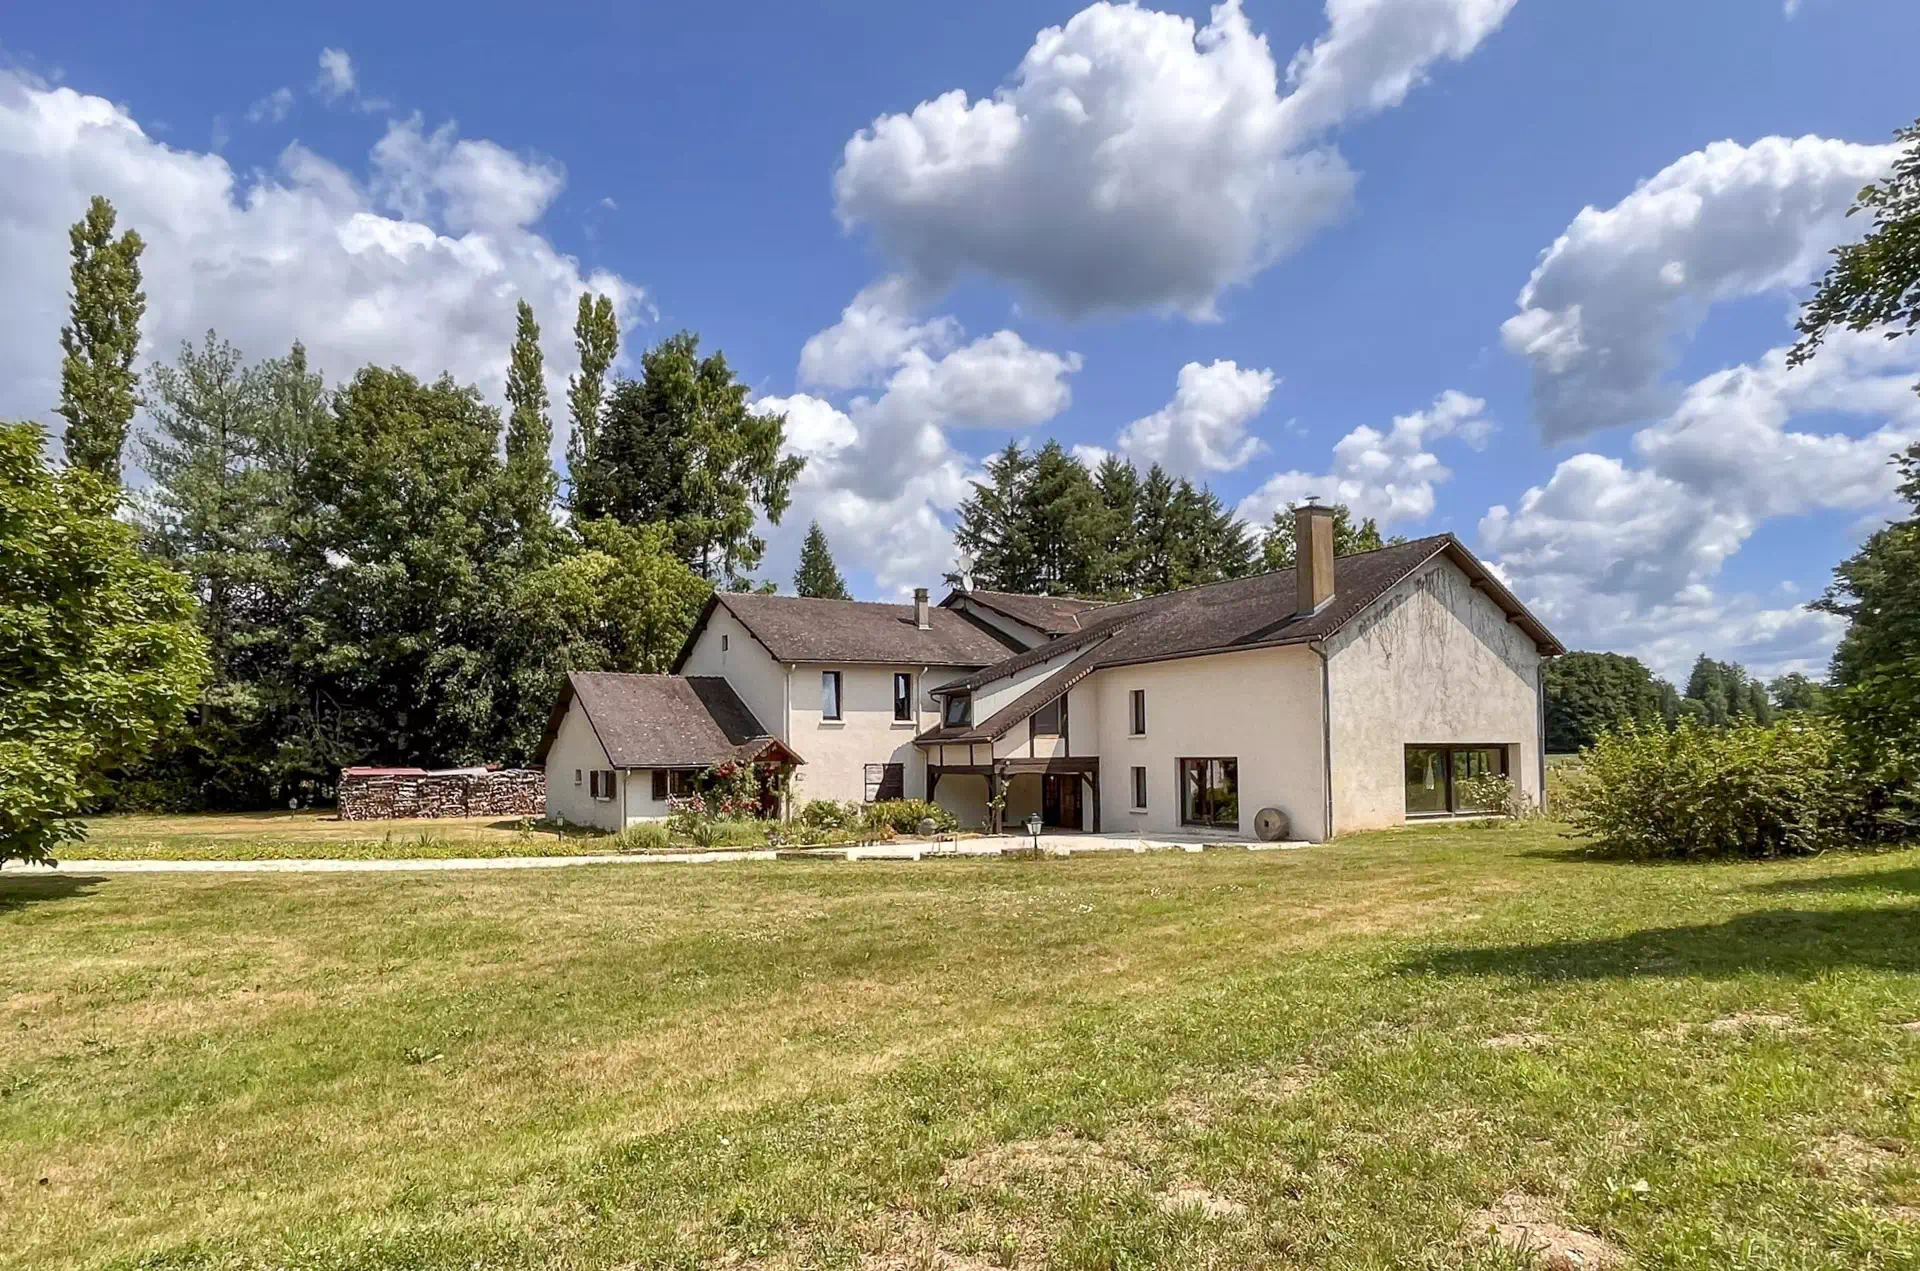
{"x":998,"y":771}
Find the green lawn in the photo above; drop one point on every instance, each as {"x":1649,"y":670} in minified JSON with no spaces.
{"x":1360,"y":1055}
{"x":319,"y":835}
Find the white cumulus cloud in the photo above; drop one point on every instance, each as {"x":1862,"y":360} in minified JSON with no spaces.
{"x":1390,"y":475}
{"x":1204,"y":428}
{"x":1137,"y":160}
{"x":337,"y":78}
{"x":306,"y":253}
{"x":1602,"y":316}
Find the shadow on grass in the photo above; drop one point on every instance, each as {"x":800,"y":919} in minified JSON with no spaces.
{"x":1775,"y":942}
{"x":17,"y":891}
{"x":1887,"y":880}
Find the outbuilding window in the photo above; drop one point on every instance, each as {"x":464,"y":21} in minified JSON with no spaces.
{"x":602,"y":784}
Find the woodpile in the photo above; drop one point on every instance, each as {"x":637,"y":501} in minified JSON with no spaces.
{"x":398,"y":794}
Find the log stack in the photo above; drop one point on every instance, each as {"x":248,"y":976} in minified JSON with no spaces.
{"x":399,"y":794}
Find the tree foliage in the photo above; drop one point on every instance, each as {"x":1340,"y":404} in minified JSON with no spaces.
{"x":1875,"y":283}
{"x":817,"y":575}
{"x":1723,"y":693}
{"x":98,"y":386}
{"x":596,"y":339}
{"x":531,"y":484}
{"x":99,"y":653}
{"x":679,"y":447}
{"x":1591,"y":694}
{"x":1277,"y":546}
{"x":1876,"y":668}
{"x":1042,"y":524}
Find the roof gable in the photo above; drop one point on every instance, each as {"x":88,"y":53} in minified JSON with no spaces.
{"x":1053,"y":615}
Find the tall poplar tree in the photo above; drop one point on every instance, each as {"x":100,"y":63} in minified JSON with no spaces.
{"x":818,"y":576}
{"x":97,"y":380}
{"x":596,"y":337}
{"x":529,"y":476}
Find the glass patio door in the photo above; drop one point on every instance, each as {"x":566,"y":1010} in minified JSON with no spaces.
{"x":1210,"y":793}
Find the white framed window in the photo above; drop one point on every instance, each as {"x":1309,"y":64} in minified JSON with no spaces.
{"x":1139,"y":789}
{"x":602,"y":784}
{"x":1137,"y":713}
{"x":830,"y":695}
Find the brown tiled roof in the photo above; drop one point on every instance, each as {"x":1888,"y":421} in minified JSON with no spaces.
{"x":802,"y":629}
{"x":997,"y":725}
{"x":1256,"y":612}
{"x":663,"y":721}
{"x":1055,"y":615}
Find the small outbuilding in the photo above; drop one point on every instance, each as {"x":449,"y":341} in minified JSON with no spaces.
{"x":618,"y":747}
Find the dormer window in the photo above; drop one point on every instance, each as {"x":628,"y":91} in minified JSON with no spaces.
{"x":959,"y":710}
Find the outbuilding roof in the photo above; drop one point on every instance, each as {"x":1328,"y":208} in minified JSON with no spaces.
{"x":804,"y":629}
{"x":664,"y":721}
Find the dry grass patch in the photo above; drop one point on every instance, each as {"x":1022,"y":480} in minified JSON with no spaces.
{"x":1531,"y":1226}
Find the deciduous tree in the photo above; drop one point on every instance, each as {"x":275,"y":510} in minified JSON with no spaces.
{"x":99,"y":651}
{"x":530,"y":479}
{"x":1592,"y":694}
{"x":98,"y":387}
{"x":1277,"y":546}
{"x":596,"y":338}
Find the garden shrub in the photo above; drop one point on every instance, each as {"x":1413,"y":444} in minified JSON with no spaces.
{"x":645,"y":836}
{"x":1787,"y":789}
{"x":903,"y":816}
{"x":825,"y":814}
{"x":1497,"y":796}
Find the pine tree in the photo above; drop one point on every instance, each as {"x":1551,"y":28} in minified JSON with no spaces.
{"x":1162,"y":554}
{"x":596,"y":336}
{"x":1118,"y":552}
{"x":97,"y":381}
{"x":529,"y":476}
{"x":991,"y":529}
{"x":818,"y":576}
{"x":1060,"y":512}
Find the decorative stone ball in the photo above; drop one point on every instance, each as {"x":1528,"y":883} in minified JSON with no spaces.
{"x":927,"y":826}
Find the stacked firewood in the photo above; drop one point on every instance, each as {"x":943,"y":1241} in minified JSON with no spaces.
{"x":381,"y":796}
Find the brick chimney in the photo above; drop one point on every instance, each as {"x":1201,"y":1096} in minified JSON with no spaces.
{"x":1313,"y":556}
{"x":921,"y":618}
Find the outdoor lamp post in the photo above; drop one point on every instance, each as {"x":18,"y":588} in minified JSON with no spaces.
{"x":1033,"y":828}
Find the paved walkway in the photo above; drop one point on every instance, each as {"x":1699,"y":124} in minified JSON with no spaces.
{"x":999,"y":845}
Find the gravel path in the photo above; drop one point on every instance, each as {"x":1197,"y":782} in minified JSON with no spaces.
{"x":1053,"y":844}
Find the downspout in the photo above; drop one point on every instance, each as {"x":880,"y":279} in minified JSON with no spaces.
{"x":1326,"y":731}
{"x":786,"y":727}
{"x":1540,"y":737}
{"x":919,"y":691}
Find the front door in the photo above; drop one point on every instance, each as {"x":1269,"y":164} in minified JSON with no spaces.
{"x":1060,"y":802}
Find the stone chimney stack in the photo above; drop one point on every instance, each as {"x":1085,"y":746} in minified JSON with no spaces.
{"x":1313,"y":556}
{"x":921,"y":618}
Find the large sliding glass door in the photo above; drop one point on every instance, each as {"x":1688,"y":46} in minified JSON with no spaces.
{"x":1210,"y":793}
{"x":1434,"y":775}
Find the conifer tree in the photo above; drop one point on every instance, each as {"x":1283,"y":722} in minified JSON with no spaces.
{"x":1118,"y":549}
{"x":818,"y":576}
{"x":1277,"y":546}
{"x":97,"y":380}
{"x":991,"y":528}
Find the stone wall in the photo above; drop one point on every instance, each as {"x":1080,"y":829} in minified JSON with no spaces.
{"x":511,"y":792}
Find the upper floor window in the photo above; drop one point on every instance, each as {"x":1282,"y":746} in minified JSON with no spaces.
{"x":1137,"y":717}
{"x":1050,"y":720}
{"x":902,"y":696}
{"x":723,"y":643}
{"x":830,"y":695}
{"x":959,"y":710}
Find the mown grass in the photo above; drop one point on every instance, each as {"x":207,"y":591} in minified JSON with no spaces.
{"x":321,"y":835}
{"x":1340,"y":1056}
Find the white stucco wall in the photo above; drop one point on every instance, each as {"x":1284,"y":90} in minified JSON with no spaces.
{"x":576,"y":748}
{"x":1001,"y":692}
{"x":745,"y":664}
{"x":1433,"y":662}
{"x":1261,"y":707}
{"x":637,"y":797}
{"x":837,"y":753}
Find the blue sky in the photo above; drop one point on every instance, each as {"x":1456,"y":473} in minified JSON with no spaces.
{"x":1353,"y":235}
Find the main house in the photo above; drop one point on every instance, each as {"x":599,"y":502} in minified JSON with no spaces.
{"x":1347,"y":694}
